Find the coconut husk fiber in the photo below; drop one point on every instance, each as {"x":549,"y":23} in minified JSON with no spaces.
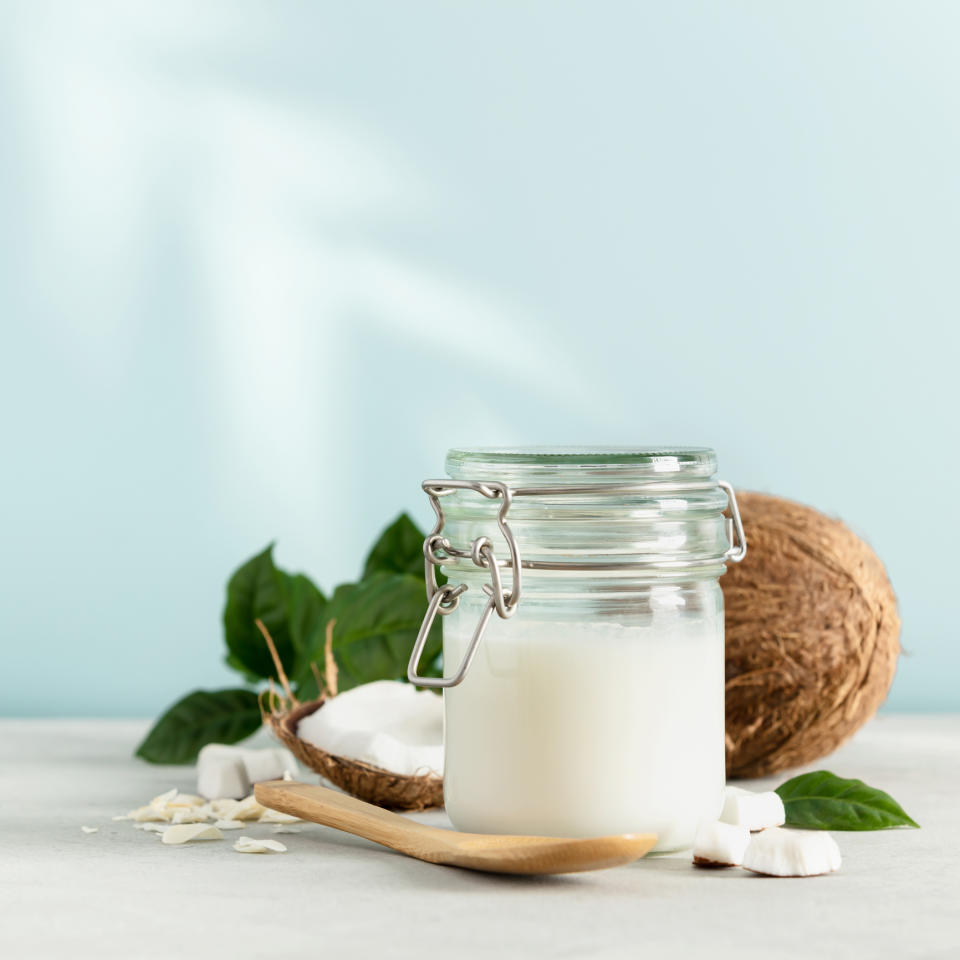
{"x":812,"y":636}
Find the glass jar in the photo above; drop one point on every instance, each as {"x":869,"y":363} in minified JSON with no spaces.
{"x":582,"y":639}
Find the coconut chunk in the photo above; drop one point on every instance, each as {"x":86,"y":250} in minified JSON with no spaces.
{"x":188,"y":832}
{"x":227,"y":771}
{"x":779,"y":852}
{"x":252,"y":845}
{"x":270,"y":764}
{"x":719,"y":844}
{"x":221,"y":773}
{"x":755,"y":811}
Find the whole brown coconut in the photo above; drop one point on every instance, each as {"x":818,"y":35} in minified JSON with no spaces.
{"x":812,"y":637}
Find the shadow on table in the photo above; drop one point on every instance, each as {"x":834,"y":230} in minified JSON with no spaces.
{"x":337,"y":845}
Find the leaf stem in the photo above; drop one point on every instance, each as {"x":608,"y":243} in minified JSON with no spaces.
{"x":281,"y":673}
{"x":330,"y":673}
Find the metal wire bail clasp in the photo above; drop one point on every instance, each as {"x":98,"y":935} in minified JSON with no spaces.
{"x":735,"y":534}
{"x":444,"y":600}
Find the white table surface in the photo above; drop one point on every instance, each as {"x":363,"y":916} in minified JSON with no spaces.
{"x":121,"y":893}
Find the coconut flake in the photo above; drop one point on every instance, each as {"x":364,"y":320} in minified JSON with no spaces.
{"x":152,"y":827}
{"x":171,"y":806}
{"x":223,"y":808}
{"x":161,"y":801}
{"x":191,"y":815}
{"x":188,"y":832}
{"x":230,"y":824}
{"x":248,"y":809}
{"x":252,"y":845}
{"x":285,"y":829}
{"x":277,"y":816}
{"x":148,"y":813}
{"x":386,"y":723}
{"x":187,"y":800}
{"x":90,"y":829}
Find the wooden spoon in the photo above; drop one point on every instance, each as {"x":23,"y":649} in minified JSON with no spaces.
{"x":495,"y":853}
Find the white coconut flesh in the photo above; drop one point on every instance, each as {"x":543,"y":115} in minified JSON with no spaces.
{"x":386,"y":723}
{"x":755,"y":811}
{"x":780,"y":852}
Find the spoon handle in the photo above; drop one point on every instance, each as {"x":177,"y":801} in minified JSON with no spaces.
{"x":332,"y":809}
{"x":489,"y":853}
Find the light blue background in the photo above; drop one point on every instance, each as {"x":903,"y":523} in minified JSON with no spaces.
{"x":262,"y":263}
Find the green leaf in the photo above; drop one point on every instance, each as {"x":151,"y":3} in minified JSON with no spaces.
{"x":824,"y":801}
{"x":305,"y":685}
{"x":201,"y":717}
{"x":399,"y":549}
{"x":377,"y":624}
{"x":303,"y":679}
{"x":234,"y":664}
{"x":341,"y":595}
{"x":306,"y":606}
{"x":256,"y":591}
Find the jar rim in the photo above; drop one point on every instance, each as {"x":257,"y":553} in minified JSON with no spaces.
{"x":581,"y":462}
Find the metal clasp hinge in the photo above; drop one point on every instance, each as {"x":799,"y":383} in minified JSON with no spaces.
{"x":444,"y":600}
{"x":735,"y":534}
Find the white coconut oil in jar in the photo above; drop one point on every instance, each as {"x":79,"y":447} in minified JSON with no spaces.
{"x":592,"y":700}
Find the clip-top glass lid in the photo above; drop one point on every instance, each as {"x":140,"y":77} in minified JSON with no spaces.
{"x":580,"y":464}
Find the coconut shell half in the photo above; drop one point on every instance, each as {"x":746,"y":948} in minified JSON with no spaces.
{"x":361,"y":780}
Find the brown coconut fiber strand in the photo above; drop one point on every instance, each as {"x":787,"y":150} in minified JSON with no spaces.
{"x":812,"y":636}
{"x":362,"y":780}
